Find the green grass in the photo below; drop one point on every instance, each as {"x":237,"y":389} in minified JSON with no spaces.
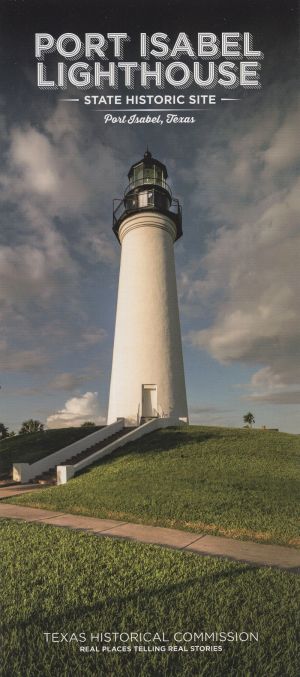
{"x":62,"y":581}
{"x":30,"y":448}
{"x":238,"y":483}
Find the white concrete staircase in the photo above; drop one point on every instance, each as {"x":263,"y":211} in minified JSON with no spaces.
{"x":50,"y":476}
{"x":62,"y":465}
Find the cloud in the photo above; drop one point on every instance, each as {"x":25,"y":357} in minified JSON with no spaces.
{"x":288,"y":397}
{"x":54,"y":186}
{"x":274,"y":388}
{"x":14,"y":360}
{"x":67,"y":381}
{"x":283,"y":151}
{"x":34,"y":160}
{"x":195,"y":409}
{"x":76,"y":411}
{"x":28,"y":272}
{"x":92,"y":337}
{"x":66,"y":176}
{"x":98,"y":248}
{"x":211,"y":415}
{"x":248,"y":278}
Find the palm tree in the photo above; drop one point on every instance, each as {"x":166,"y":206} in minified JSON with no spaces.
{"x":3,"y":431}
{"x":31,"y":426}
{"x":249,"y":419}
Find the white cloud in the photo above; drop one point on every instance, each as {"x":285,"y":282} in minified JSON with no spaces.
{"x":60,"y":171}
{"x":33,"y":157}
{"x":76,"y":411}
{"x":42,"y":167}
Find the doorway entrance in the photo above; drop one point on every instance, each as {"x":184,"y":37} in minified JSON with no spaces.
{"x":149,"y":401}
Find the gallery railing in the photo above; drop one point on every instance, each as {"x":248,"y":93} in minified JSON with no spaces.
{"x":152,"y":199}
{"x":135,"y":183}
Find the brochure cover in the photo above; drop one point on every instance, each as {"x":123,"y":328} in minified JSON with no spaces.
{"x":149,"y":347}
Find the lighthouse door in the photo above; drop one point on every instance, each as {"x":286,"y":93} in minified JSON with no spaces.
{"x":149,"y":401}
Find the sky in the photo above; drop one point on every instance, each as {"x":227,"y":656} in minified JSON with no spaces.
{"x":236,"y":174}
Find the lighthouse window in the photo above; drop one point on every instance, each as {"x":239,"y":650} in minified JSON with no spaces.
{"x":138,"y":174}
{"x":158,"y":177}
{"x":149,"y":175}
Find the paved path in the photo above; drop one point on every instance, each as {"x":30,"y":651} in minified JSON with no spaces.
{"x":17,"y":489}
{"x":240,"y":551}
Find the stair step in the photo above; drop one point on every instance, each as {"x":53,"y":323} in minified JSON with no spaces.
{"x":50,"y":479}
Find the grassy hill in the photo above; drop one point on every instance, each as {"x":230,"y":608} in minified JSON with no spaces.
{"x":238,"y":483}
{"x":30,"y":448}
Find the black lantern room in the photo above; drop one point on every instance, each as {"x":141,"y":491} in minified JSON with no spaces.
{"x":147,"y":190}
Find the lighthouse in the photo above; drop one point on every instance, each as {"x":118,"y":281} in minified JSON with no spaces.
{"x":147,"y":378}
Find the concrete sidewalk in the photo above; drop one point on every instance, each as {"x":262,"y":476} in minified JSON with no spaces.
{"x":255,"y":554}
{"x":18,"y":489}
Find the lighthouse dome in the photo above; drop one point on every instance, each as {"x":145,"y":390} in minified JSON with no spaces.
{"x":148,"y":171}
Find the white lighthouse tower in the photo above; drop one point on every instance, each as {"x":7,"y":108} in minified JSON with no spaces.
{"x":147,"y":379}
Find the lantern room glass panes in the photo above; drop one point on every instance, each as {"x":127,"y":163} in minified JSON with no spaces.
{"x":159,"y":176}
{"x":149,"y":173}
{"x":138,"y":174}
{"x":143,"y":174}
